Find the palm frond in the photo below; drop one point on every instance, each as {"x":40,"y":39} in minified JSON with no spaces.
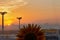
{"x":32,"y":32}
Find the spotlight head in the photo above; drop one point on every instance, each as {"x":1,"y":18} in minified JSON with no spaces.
{"x":19,"y":18}
{"x":2,"y":13}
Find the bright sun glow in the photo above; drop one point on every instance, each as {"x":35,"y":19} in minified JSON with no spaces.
{"x":8,"y":22}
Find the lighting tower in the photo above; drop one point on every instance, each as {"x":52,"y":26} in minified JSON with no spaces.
{"x":3,"y":13}
{"x":19,"y":18}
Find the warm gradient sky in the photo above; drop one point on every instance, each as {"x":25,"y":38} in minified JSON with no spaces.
{"x":32,"y":11}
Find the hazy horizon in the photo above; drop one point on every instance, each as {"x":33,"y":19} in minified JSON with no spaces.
{"x":31,"y":11}
{"x":43,"y":26}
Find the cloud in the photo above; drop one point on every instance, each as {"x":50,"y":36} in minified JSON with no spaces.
{"x":11,"y":3}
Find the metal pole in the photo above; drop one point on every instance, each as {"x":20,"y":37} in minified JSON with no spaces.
{"x":3,"y":27}
{"x":19,"y":23}
{"x":2,"y":24}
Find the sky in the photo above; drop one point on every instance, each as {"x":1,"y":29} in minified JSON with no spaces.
{"x":31,"y":11}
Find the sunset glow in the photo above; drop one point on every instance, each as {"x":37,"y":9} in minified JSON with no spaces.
{"x":8,"y":22}
{"x":31,"y":11}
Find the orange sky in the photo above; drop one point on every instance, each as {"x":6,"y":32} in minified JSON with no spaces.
{"x":32,"y":11}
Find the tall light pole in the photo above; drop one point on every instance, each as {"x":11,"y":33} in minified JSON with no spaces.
{"x":3,"y":13}
{"x":19,"y":18}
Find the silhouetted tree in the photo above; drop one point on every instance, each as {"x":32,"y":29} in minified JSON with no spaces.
{"x":31,"y":32}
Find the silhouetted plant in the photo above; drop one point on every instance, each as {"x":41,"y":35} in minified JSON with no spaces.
{"x":31,"y":32}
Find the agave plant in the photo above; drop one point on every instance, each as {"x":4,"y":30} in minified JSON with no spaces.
{"x":31,"y":32}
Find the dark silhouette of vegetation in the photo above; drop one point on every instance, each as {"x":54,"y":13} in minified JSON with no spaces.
{"x":31,"y":32}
